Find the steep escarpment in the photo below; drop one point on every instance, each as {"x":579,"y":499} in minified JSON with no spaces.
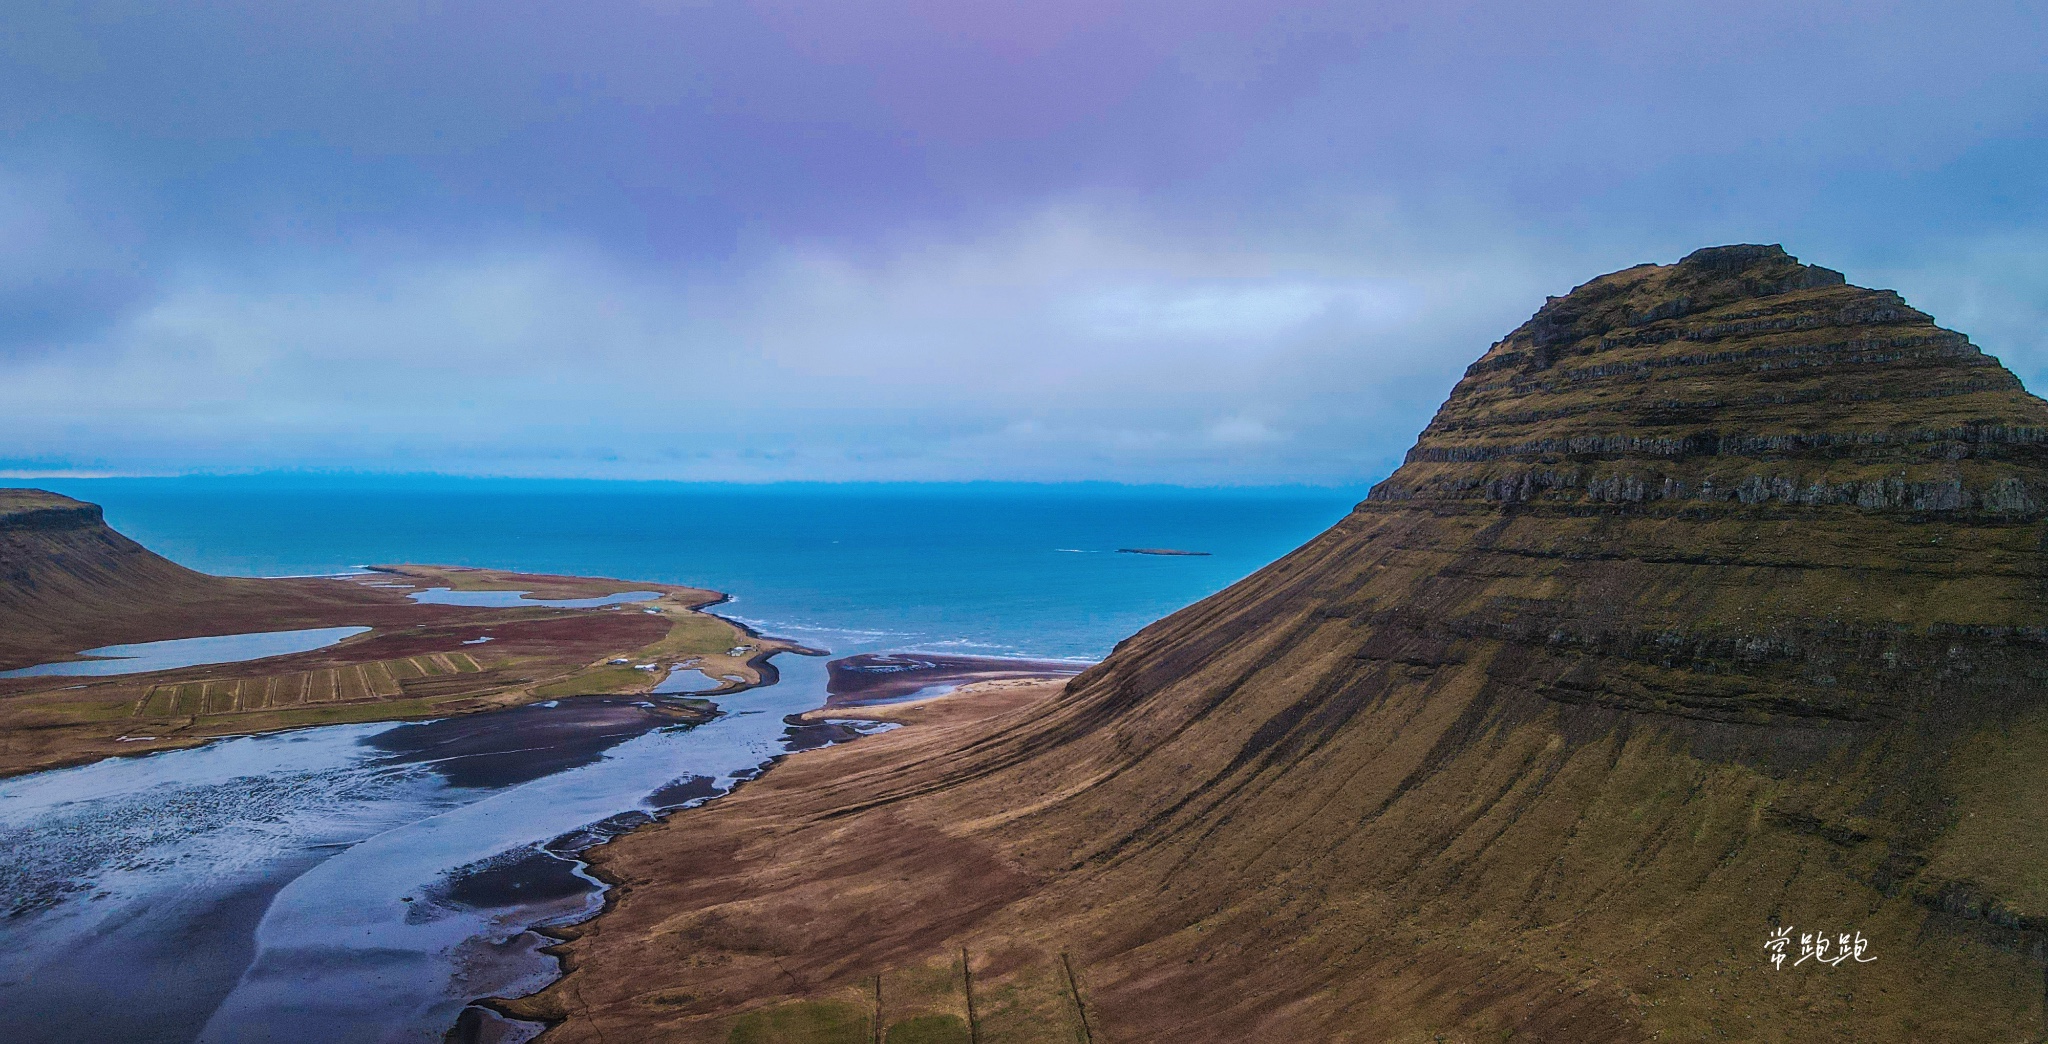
{"x":1711,"y":605}
{"x":65,"y":576}
{"x":69,"y":582}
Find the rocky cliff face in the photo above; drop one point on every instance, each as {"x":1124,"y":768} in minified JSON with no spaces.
{"x":35,"y":511}
{"x":1736,"y":376}
{"x":1712,"y":603}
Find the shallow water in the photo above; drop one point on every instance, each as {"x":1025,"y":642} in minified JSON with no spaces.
{"x":686,"y":681}
{"x":345,"y":883}
{"x":189,"y":652}
{"x":257,"y":888}
{"x":516,"y":599}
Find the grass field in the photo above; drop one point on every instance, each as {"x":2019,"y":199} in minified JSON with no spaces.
{"x":1020,"y":999}
{"x":377,"y":680}
{"x":417,"y":661}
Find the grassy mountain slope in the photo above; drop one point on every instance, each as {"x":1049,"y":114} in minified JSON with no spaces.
{"x":67,"y":579}
{"x":1711,"y":603}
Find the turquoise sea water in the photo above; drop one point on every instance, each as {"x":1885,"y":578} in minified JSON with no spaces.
{"x":980,"y":568}
{"x":308,"y":885}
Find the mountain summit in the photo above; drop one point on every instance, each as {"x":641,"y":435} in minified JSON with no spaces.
{"x":1686,"y":682}
{"x":1740,"y":374}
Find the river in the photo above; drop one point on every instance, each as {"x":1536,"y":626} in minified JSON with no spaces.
{"x":344,"y":883}
{"x":365,"y":882}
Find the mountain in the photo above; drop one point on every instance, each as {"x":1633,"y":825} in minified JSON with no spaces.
{"x":65,"y":576}
{"x":1710,"y":608}
{"x":69,"y":582}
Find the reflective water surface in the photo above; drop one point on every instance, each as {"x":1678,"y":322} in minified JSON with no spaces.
{"x":515,"y":599}
{"x":188,"y":652}
{"x":344,"y":883}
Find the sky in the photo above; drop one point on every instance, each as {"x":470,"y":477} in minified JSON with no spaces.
{"x":1202,"y":242}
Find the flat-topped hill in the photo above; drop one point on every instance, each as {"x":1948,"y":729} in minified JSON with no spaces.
{"x":66,"y":577}
{"x":69,"y":583}
{"x":36,"y":508}
{"x":1710,"y":606}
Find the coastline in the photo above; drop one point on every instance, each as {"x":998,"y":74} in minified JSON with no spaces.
{"x":418,"y":660}
{"x":606,"y":640}
{"x":571,"y":654}
{"x":971,"y":700}
{"x":869,"y":678}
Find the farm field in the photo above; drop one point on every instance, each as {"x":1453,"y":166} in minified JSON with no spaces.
{"x":417,"y":660}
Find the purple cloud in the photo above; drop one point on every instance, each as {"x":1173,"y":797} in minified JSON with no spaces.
{"x":1180,"y":242}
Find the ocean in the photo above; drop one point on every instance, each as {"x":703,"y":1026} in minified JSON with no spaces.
{"x":981,"y":568}
{"x":321,"y":885}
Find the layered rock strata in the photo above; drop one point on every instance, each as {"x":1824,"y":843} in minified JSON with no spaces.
{"x":1711,"y":608}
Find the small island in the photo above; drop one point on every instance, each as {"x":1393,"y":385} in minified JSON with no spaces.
{"x":1161,"y":551}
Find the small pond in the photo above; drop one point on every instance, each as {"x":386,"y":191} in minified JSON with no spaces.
{"x":188,"y":652}
{"x":688,"y":681}
{"x":517,"y":599}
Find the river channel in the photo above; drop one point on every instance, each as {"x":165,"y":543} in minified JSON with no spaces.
{"x":346,"y":883}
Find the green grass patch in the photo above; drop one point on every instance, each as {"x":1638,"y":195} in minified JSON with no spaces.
{"x":804,"y":1022}
{"x":598,"y":679}
{"x":929,"y":1029}
{"x":79,"y":712}
{"x":96,"y":710}
{"x":319,"y":715}
{"x":694,"y":634}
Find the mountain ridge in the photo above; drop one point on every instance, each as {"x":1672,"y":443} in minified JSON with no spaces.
{"x":1709,"y":604}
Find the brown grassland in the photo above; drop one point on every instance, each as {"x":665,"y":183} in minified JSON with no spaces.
{"x":73,"y":583}
{"x":1713,"y":603}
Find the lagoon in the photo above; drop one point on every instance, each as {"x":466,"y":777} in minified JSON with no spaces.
{"x":518,"y":599}
{"x":175,"y":653}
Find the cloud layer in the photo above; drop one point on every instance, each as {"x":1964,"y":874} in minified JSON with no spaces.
{"x":1219,"y":242}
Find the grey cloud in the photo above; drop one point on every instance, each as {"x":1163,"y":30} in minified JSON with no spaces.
{"x":1146,"y":241}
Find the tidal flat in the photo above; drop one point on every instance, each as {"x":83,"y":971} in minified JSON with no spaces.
{"x":352,"y":882}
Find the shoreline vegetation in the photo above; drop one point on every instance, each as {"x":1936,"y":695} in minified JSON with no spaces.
{"x":80,"y":585}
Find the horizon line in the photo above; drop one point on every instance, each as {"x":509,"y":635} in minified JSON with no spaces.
{"x":68,"y":475}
